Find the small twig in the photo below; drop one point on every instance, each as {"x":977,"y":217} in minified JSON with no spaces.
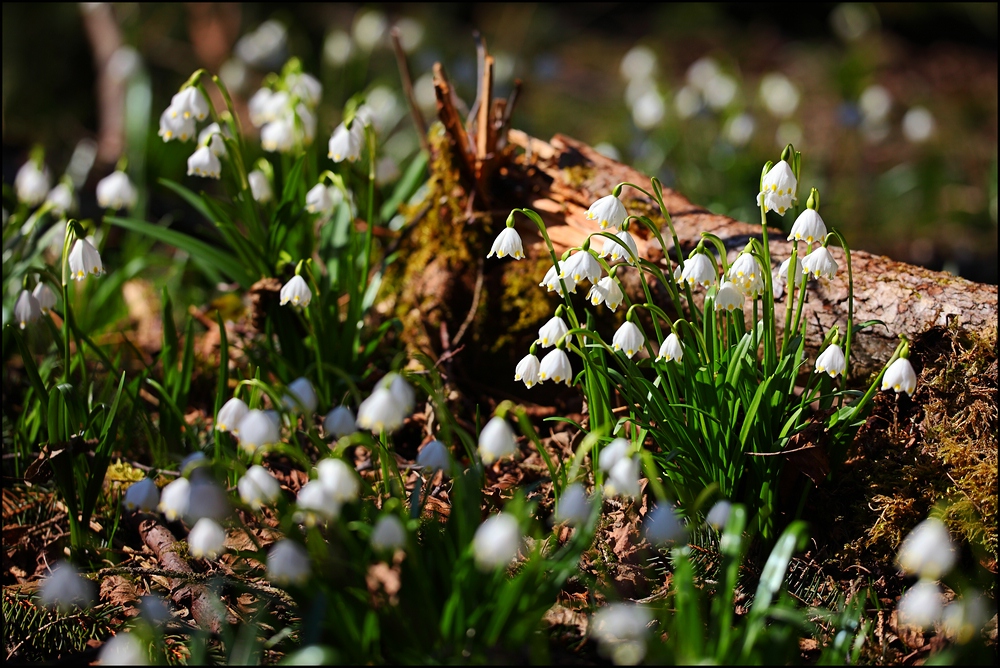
{"x":780,"y":452}
{"x":404,"y":74}
{"x":476,"y":293}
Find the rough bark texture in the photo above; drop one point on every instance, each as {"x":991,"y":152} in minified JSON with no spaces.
{"x":569,"y":175}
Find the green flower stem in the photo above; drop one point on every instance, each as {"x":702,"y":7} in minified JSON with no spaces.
{"x":770,"y":335}
{"x":790,"y":297}
{"x":850,"y":305}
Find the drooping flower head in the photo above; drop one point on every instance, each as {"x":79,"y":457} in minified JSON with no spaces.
{"x":699,"y":270}
{"x":606,"y":290}
{"x":779,"y":188}
{"x":808,"y":227}
{"x":31,"y":183}
{"x":203,"y":162}
{"x":553,"y":283}
{"x":527,"y":370}
{"x":831,"y":361}
{"x":608,"y":212}
{"x":555,"y":366}
{"x":672,"y":349}
{"x":747,"y":275}
{"x":619,"y":252}
{"x":582,"y":266}
{"x":230,"y":416}
{"x":496,"y":440}
{"x":900,"y":377}
{"x":339,"y":422}
{"x":83,"y":260}
{"x":819,"y":262}
{"x":296,"y":292}
{"x":508,"y":242}
{"x":927,"y":551}
{"x":27,"y":309}
{"x":628,"y":339}
{"x":729,"y":297}
{"x":496,"y":542}
{"x":115,"y":191}
{"x":551,"y":332}
{"x":287,"y":563}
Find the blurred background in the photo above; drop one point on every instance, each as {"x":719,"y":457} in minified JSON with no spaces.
{"x":893,"y":105}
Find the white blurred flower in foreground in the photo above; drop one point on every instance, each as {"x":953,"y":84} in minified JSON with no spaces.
{"x":339,"y":479}
{"x":389,"y":534}
{"x":339,"y":422}
{"x":496,"y":542}
{"x":662,"y":526}
{"x":900,"y":377}
{"x":300,"y":394}
{"x":84,"y":259}
{"x":918,"y":125}
{"x":922,"y":605}
{"x":496,"y":440}
{"x":320,"y":200}
{"x":316,"y":504}
{"x":779,"y":188}
{"x":296,"y":291}
{"x":551,"y":332}
{"x":27,"y":309}
{"x":719,"y":515}
{"x":256,"y":430}
{"x":230,"y":416}
{"x":189,"y":102}
{"x":831,"y":361}
{"x":124,"y":649}
{"x":46,"y":298}
{"x":621,"y":630}
{"x":606,"y":290}
{"x":64,"y":587}
{"x":555,"y":366}
{"x":278,"y":135}
{"x":142,"y":495}
{"x":608,"y":212}
{"x":115,"y":191}
{"x":203,"y":162}
{"x":927,"y":551}
{"x":672,"y":350}
{"x":402,"y":390}
{"x":175,"y":126}
{"x":287,"y":563}
{"x":808,"y":227}
{"x":527,"y":370}
{"x":780,"y":95}
{"x":258,"y":487}
{"x":508,"y":242}
{"x":612,"y":453}
{"x":573,"y":506}
{"x":60,"y":198}
{"x":260,"y":187}
{"x":175,"y":499}
{"x":434,"y":457}
{"x":381,"y":411}
{"x":623,"y":479}
{"x":31,"y":183}
{"x":819,"y":262}
{"x":346,"y":144}
{"x":964,"y":617}
{"x":628,"y":339}
{"x":207,"y":539}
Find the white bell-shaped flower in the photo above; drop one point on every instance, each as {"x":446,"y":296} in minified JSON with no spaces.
{"x":300,"y":394}
{"x":189,"y":103}
{"x":230,"y":416}
{"x":176,"y":126}
{"x":319,"y":200}
{"x":60,"y":198}
{"x":287,"y":563}
{"x":115,"y":191}
{"x":797,"y":271}
{"x":747,"y":274}
{"x":175,"y":499}
{"x":927,"y":551}
{"x":623,"y":479}
{"x":402,"y":390}
{"x":83,"y":260}
{"x":612,"y":453}
{"x":207,"y":539}
{"x":278,"y":135}
{"x":296,"y":292}
{"x":729,"y":297}
{"x":608,"y":291}
{"x":582,"y":266}
{"x":258,"y":487}
{"x":124,"y":649}
{"x":339,"y":479}
{"x":921,"y":606}
{"x":820,"y":262}
{"x":671,"y":350}
{"x":662,"y":526}
{"x":551,"y":332}
{"x":46,"y":298}
{"x":508,"y":242}
{"x":26,"y":309}
{"x":779,"y":188}
{"x":553,"y":283}
{"x":621,"y":630}
{"x":64,"y":588}
{"x":339,"y":422}
{"x":266,"y":105}
{"x":142,"y":495}
{"x":699,"y":270}
{"x":434,"y":456}
{"x":316,"y":504}
{"x":388,"y":534}
{"x":306,"y":87}
{"x":257,"y":430}
{"x":527,"y":370}
{"x":628,"y":339}
{"x":608,"y":212}
{"x":204,"y":163}
{"x":900,"y":377}
{"x":619,"y":252}
{"x":555,"y":366}
{"x":573,"y":506}
{"x":31,"y":183}
{"x":345,"y":144}
{"x":260,"y":187}
{"x":496,"y":542}
{"x":381,"y":412}
{"x":831,"y":361}
{"x":211,"y":137}
{"x":496,"y":440}
{"x":808,"y":227}
{"x":718,"y":516}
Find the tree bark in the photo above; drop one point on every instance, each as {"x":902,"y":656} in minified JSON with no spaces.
{"x":565,"y":176}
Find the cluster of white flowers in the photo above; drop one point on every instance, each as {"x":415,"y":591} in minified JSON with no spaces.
{"x":179,"y":122}
{"x":346,"y":141}
{"x":928,"y":553}
{"x":286,"y":112}
{"x":388,"y":406}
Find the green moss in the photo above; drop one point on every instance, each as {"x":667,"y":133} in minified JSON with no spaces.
{"x":524,"y":304}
